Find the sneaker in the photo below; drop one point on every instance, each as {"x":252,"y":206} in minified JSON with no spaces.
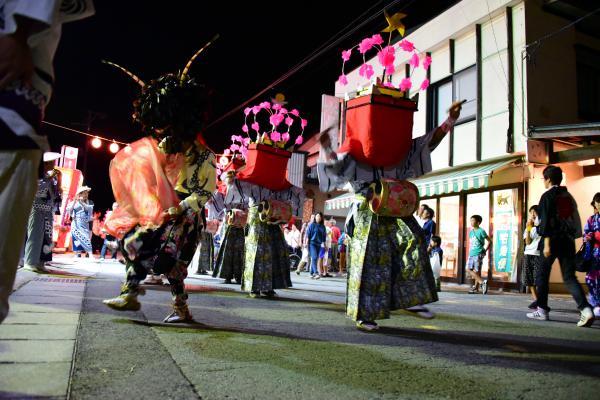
{"x":317,"y":276}
{"x":367,"y":326}
{"x":101,"y":259}
{"x":38,"y":269}
{"x":124,"y":302}
{"x":533,"y":305}
{"x":539,"y":314}
{"x":597,"y":311}
{"x":254,"y":295}
{"x":473,"y":290}
{"x":587,"y":317}
{"x":298,"y":271}
{"x":270,"y":294}
{"x":484,"y":286}
{"x":180,"y":314}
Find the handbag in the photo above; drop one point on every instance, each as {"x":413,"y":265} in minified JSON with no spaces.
{"x":583,"y":261}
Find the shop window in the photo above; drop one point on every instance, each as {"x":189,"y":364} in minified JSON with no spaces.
{"x":442,"y":98}
{"x":448,"y":228}
{"x":588,"y":82}
{"x":478,"y":204}
{"x":465,"y":88}
{"x":461,"y":86}
{"x":506,"y":234}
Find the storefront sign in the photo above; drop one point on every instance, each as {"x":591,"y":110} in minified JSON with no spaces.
{"x":503,"y":230}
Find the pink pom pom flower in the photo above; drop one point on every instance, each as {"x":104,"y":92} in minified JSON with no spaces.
{"x":414,"y":60}
{"x":377,"y":39}
{"x":343,"y":80}
{"x":387,"y":56}
{"x":245,"y":128}
{"x":425,"y":84}
{"x":276,"y":119}
{"x":255,"y":126}
{"x":405,"y":84}
{"x":275,"y":136}
{"x":299,"y":140}
{"x":346,"y":55}
{"x":426,"y":61}
{"x":285,"y":137}
{"x":366,"y":70}
{"x":407,"y":46}
{"x":303,"y":123}
{"x":289,"y":121}
{"x":365,"y":45}
{"x":295,"y":112}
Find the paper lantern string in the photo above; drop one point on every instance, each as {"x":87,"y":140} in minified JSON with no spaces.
{"x":85,"y":133}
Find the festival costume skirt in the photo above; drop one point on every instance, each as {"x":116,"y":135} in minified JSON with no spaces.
{"x":266,"y":259}
{"x":81,"y":233}
{"x":167,"y":250}
{"x":230,"y":259}
{"x":388,"y":266}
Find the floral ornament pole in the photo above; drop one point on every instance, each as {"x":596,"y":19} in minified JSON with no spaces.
{"x":386,"y":56}
{"x":276,"y":133}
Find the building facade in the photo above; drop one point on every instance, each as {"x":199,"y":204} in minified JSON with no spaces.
{"x":489,"y":53}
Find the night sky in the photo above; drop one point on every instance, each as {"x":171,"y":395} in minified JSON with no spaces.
{"x":259,"y":42}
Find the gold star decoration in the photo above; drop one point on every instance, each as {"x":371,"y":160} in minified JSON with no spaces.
{"x":395,"y":23}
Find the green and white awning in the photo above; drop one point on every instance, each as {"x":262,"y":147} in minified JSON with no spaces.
{"x":340,"y":202}
{"x":449,"y":180}
{"x":458,"y":179}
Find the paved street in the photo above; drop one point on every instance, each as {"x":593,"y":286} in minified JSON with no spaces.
{"x":60,"y":341}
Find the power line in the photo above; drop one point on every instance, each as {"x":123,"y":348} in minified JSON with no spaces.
{"x":537,"y":43}
{"x":84,"y":133}
{"x":311,"y":57}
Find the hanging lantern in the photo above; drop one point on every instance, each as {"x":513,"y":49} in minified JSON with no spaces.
{"x":114,"y":147}
{"x":96,"y":142}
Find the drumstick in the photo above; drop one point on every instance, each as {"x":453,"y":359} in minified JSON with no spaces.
{"x":456,"y":103}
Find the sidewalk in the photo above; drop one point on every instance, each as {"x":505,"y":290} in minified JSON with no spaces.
{"x":37,"y":339}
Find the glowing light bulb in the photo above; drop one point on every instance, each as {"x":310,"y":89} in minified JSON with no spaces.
{"x":223,"y":160}
{"x":127,"y":149}
{"x":113,"y":147}
{"x":96,"y":142}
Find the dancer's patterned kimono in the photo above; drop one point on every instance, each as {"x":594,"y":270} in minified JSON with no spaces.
{"x":229,"y":264}
{"x":38,"y":248}
{"x":266,"y":258}
{"x":388,"y":265}
{"x":169,"y":248}
{"x":162,"y":190}
{"x":81,"y":213}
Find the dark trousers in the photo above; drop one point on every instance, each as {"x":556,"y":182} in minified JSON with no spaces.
{"x":563,"y":250}
{"x":334,"y":256}
{"x":315,"y":249}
